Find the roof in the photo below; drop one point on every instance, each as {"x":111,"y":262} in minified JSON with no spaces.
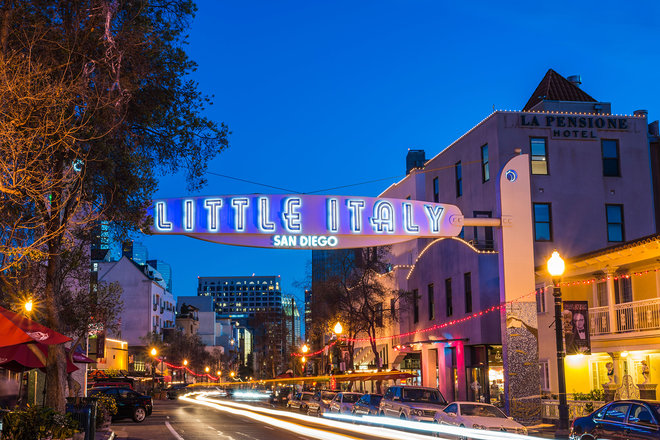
{"x":554,"y":87}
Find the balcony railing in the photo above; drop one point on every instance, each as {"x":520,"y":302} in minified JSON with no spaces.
{"x":629,"y":317}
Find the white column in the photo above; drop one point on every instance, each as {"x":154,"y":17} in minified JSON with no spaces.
{"x":609,"y":273}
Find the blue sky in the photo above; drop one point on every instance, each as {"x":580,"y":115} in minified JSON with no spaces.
{"x":325,"y":94}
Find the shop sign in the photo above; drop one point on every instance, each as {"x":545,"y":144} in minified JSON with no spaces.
{"x":304,"y":221}
{"x":575,"y":320}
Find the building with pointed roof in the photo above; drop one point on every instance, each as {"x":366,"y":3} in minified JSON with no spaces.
{"x":590,"y":187}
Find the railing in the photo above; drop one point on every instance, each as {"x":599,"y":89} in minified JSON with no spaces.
{"x":576,"y":408}
{"x":600,"y":320}
{"x":630,"y":317}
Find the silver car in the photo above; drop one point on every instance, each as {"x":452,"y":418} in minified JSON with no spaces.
{"x":412,"y":403}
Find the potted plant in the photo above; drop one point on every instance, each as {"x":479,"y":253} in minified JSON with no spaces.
{"x":106,"y":407}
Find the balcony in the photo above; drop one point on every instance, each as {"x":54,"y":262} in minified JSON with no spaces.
{"x":636,"y":316}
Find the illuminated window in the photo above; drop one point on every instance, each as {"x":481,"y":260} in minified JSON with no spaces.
{"x":539,"y":156}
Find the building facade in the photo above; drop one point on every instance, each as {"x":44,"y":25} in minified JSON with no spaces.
{"x":148,"y":306}
{"x":590,"y":187}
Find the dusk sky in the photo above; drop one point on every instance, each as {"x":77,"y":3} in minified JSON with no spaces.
{"x":321,"y":95}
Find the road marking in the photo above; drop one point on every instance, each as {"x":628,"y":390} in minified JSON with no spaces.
{"x":268,"y":427}
{"x":174,"y":433}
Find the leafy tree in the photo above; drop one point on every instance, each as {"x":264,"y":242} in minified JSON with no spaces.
{"x":95,"y":103}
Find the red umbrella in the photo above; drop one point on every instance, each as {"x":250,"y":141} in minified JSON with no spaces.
{"x":27,"y":356}
{"x":31,"y":331}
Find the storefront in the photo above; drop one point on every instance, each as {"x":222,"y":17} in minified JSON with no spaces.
{"x":485,"y":374}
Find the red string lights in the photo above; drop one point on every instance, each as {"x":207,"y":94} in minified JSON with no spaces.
{"x":180,"y":367}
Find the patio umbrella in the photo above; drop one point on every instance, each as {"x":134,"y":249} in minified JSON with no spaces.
{"x":26,"y":356}
{"x":15,"y":324}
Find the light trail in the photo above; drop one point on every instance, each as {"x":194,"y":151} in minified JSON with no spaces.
{"x":340,"y":421}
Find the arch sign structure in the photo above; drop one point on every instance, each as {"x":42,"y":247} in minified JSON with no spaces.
{"x":304,"y":221}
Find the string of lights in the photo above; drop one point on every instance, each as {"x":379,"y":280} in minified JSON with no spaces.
{"x":181,"y":367}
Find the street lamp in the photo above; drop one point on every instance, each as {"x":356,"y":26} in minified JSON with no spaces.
{"x":556,"y":270}
{"x":305,"y":348}
{"x":153,"y":354}
{"x":185,"y":367}
{"x":338,"y":328}
{"x":28,"y":306}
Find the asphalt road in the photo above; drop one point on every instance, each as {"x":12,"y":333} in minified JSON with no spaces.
{"x":218,"y":419}
{"x":181,"y":420}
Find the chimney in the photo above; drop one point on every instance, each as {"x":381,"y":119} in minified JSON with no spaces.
{"x":575,"y":80}
{"x":415,"y":159}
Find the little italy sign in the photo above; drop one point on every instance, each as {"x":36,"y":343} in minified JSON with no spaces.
{"x":304,"y":221}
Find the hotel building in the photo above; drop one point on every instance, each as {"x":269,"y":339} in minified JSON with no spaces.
{"x":591,"y":188}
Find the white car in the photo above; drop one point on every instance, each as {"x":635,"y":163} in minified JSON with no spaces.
{"x":343,"y":402}
{"x":478,"y":416}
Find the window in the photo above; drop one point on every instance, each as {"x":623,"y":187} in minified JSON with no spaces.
{"x":450,"y":305}
{"x":617,"y":412}
{"x":623,"y":291}
{"x":379,"y":314}
{"x":640,"y":415}
{"x":539,"y":156}
{"x":614,"y":215}
{"x":540,"y":300}
{"x":544,"y":374}
{"x":610,"y":150}
{"x":431,"y":297}
{"x":415,"y":305}
{"x":459,"y":178}
{"x":393,"y":308}
{"x":542,"y":222}
{"x":467,"y":283}
{"x":453,"y":409}
{"x":485,"y":170}
{"x":436,"y":191}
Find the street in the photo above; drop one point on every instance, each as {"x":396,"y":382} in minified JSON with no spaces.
{"x":191,"y":419}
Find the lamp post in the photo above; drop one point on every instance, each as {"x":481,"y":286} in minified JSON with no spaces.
{"x":153,"y":354}
{"x":556,"y":270}
{"x":28,"y":306}
{"x":185,"y":367}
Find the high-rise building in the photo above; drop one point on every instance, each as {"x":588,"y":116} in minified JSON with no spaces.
{"x":291,"y":323}
{"x":165,"y":270}
{"x":253,"y":303}
{"x":135,"y":251}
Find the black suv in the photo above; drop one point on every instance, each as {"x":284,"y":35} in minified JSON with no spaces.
{"x":129,"y":403}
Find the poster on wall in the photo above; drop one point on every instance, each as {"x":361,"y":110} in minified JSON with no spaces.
{"x":576,"y":327}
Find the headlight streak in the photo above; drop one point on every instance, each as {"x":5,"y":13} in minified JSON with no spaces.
{"x":340,"y":420}
{"x":384,"y":433}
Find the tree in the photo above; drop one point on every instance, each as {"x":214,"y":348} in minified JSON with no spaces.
{"x":360,"y":295}
{"x":94,"y":104}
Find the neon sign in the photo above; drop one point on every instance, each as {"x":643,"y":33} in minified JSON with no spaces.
{"x":304,"y":221}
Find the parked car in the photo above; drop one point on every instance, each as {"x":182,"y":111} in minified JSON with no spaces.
{"x":368,"y":404}
{"x":281,"y":395}
{"x":621,"y":419}
{"x":478,"y":416}
{"x":343,"y":403}
{"x":320,"y":403}
{"x":174,"y":391}
{"x":300,"y":401}
{"x":129,"y":403}
{"x":412,"y":403}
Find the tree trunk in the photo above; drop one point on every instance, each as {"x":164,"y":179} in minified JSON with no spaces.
{"x":56,"y":363}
